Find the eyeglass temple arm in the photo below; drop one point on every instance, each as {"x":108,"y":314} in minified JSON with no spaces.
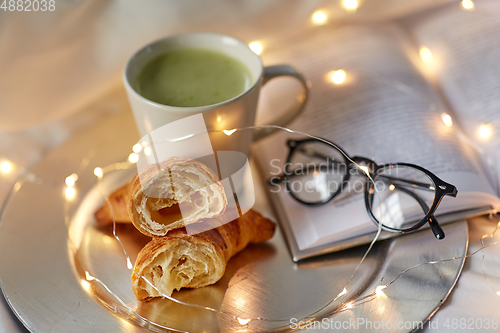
{"x":313,"y":153}
{"x":448,"y":188}
{"x":278,"y":179}
{"x":412,"y":183}
{"x":421,"y":185}
{"x":433,"y":223}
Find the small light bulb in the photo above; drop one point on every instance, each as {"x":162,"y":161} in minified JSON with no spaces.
{"x":392,"y":187}
{"x":6,"y":167}
{"x":243,"y":321}
{"x":485,"y":131}
{"x":350,"y":5}
{"x":378,"y":290}
{"x":137,"y":148}
{"x":133,"y":158}
{"x":468,"y":4}
{"x":337,"y":76}
{"x":229,"y":132}
{"x":319,"y":17}
{"x":365,"y":169}
{"x":256,"y":47}
{"x":425,"y":54}
{"x":88,"y":276}
{"x":447,"y":119}
{"x":70,"y":193}
{"x":98,"y":172}
{"x":71,"y":180}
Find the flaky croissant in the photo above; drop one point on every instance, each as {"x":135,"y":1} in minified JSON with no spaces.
{"x":115,"y":207}
{"x":175,"y":193}
{"x":180,"y":260}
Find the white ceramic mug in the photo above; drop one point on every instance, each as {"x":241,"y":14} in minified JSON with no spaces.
{"x":236,"y":112}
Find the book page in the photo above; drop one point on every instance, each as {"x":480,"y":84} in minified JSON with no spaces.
{"x":466,"y":52}
{"x":383,"y":110}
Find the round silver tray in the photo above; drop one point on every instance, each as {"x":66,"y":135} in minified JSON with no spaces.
{"x":44,"y":280}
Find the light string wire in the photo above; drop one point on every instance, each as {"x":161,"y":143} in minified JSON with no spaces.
{"x":32,"y":178}
{"x":358,"y":301}
{"x":125,"y":165}
{"x":381,"y":79}
{"x":88,"y":277}
{"x":491,"y":235}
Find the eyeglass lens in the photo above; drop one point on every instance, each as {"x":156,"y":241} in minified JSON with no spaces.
{"x":401,"y":196}
{"x":315,"y":172}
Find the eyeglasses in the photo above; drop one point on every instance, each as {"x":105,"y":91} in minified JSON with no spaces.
{"x":400,"y":197}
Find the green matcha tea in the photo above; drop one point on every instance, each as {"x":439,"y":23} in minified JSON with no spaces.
{"x":192,"y":77}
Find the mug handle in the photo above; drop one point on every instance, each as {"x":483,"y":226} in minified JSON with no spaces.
{"x":270,"y":72}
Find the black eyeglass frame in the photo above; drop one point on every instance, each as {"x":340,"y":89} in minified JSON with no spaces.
{"x":441,"y":187}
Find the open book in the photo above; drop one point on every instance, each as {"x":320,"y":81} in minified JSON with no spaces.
{"x":389,"y":108}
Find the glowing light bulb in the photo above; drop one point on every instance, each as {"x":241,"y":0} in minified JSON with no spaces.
{"x":229,"y":132}
{"x":71,"y":180}
{"x":350,"y":5}
{"x":70,"y":193}
{"x":137,"y":148}
{"x":378,"y":290}
{"x":337,"y":76}
{"x":392,"y":187}
{"x":98,"y":172}
{"x":256,"y":47}
{"x":447,"y":119}
{"x":133,"y":158}
{"x":243,"y":321}
{"x":365,"y":169}
{"x":319,"y":17}
{"x":6,"y":167}
{"x":485,"y":131}
{"x":468,"y":4}
{"x":425,"y":54}
{"x":88,"y":276}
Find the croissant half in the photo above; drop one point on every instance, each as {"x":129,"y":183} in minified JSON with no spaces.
{"x":180,"y":260}
{"x":173,"y":194}
{"x":115,"y":207}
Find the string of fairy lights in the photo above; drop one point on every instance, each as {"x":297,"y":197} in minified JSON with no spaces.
{"x":336,"y":76}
